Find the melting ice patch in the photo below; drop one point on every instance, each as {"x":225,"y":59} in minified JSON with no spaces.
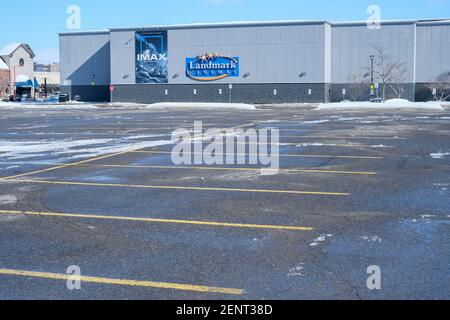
{"x":297,"y":271}
{"x":312,"y":144}
{"x":8,"y":199}
{"x":372,"y":239}
{"x":320,"y":240}
{"x":442,"y":186}
{"x":74,"y":148}
{"x":315,"y":121}
{"x":380,"y":146}
{"x":440,"y":155}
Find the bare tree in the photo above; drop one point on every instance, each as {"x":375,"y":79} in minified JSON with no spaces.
{"x":397,"y":81}
{"x":442,"y":87}
{"x":389,"y":71}
{"x":358,"y":83}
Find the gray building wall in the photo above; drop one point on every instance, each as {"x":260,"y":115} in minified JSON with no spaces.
{"x":433,"y":51}
{"x":352,"y":46}
{"x":333,"y":57}
{"x":433,"y":58}
{"x":123,"y":69}
{"x":85,"y":65}
{"x":273,"y":54}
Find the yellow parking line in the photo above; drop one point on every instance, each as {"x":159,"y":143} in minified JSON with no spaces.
{"x":314,"y":146}
{"x":153,"y":220}
{"x":312,"y":130}
{"x":370,"y":173}
{"x":281,"y":155}
{"x":228,"y":169}
{"x":121,"y":282}
{"x":180,"y":188}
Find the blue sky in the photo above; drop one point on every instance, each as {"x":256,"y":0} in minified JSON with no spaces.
{"x":40,"y":21}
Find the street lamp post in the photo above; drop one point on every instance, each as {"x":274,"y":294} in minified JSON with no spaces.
{"x":372,"y":80}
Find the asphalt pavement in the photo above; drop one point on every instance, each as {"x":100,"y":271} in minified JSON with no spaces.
{"x":97,"y":189}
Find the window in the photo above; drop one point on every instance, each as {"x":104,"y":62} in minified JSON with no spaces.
{"x":21,"y":62}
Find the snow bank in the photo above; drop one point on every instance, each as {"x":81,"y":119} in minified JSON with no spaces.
{"x":184,"y":105}
{"x":389,"y":104}
{"x":189,"y":105}
{"x":127,"y":105}
{"x":45,"y":105}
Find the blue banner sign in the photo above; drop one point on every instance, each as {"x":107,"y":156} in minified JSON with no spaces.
{"x":212,"y":67}
{"x":151,"y":57}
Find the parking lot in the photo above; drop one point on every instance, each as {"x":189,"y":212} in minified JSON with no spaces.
{"x":96,"y":188}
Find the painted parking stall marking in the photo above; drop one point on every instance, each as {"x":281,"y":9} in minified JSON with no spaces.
{"x":133,"y":186}
{"x":155,"y":220}
{"x":121,"y":282}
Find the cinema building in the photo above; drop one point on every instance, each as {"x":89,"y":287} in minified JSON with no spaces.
{"x":267,"y":62}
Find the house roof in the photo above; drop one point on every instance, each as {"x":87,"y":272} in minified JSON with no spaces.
{"x":3,"y":65}
{"x":9,"y":49}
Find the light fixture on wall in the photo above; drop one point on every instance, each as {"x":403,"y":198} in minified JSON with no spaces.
{"x":175,"y":76}
{"x":125,"y":76}
{"x":246,"y":75}
{"x":303,"y":74}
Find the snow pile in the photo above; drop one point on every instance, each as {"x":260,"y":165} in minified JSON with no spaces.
{"x":189,"y":105}
{"x":127,"y":105}
{"x":389,"y":104}
{"x":184,"y":105}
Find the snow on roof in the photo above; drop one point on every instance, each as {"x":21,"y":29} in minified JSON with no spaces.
{"x":22,"y":78}
{"x":3,"y":65}
{"x":9,"y":48}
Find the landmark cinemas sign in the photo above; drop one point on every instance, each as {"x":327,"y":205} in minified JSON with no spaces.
{"x":212,"y":67}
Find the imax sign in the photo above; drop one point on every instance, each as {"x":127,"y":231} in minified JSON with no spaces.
{"x":152,"y":57}
{"x":212,"y":67}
